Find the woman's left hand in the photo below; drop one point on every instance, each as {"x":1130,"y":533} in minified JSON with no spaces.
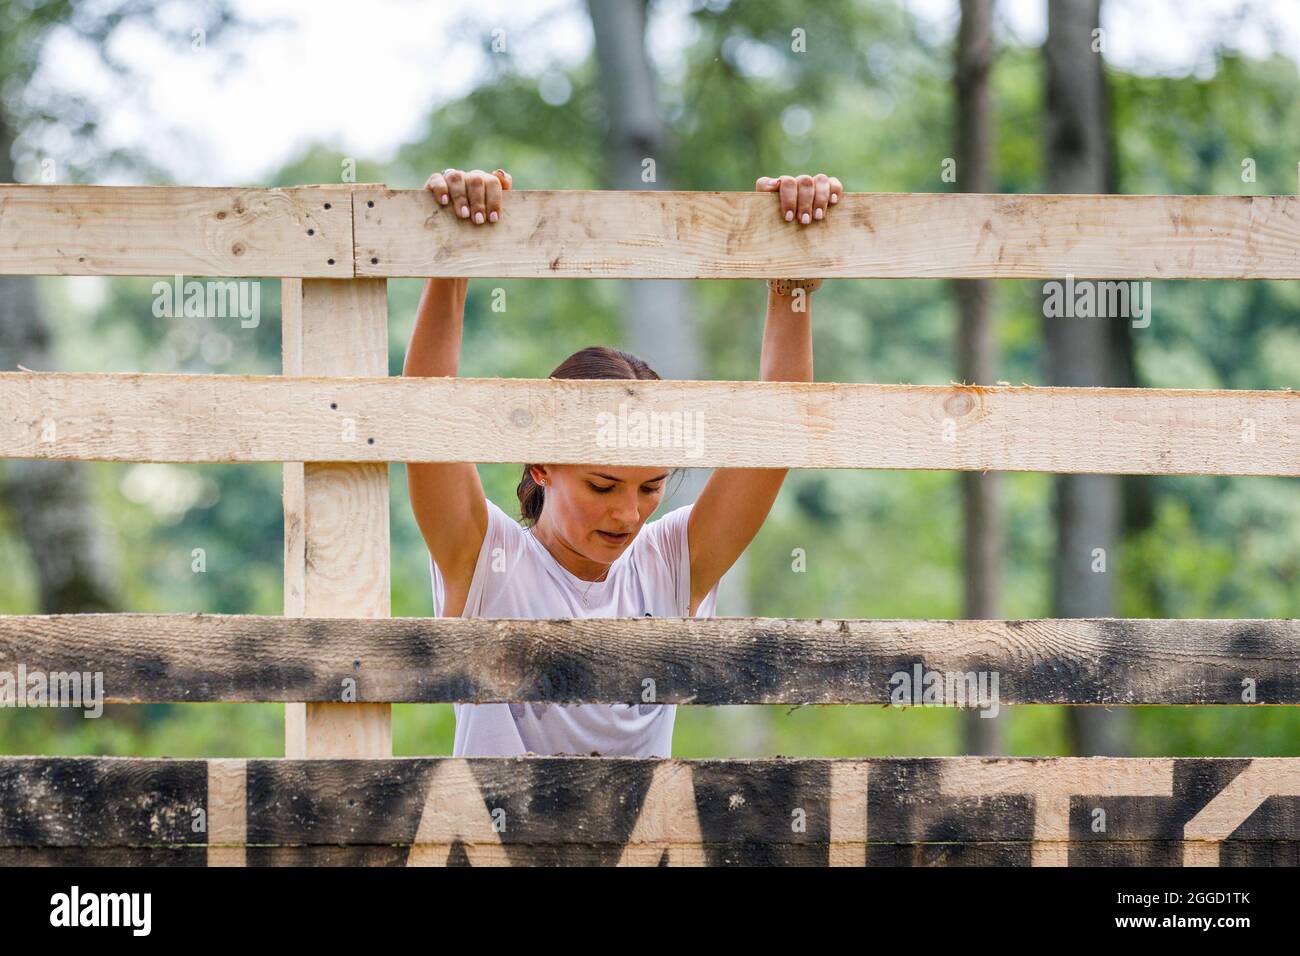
{"x":805,"y":197}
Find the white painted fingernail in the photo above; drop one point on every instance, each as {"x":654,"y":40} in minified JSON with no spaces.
{"x":789,"y":214}
{"x":493,"y":216}
{"x":478,"y":219}
{"x":835,"y":198}
{"x":464,"y":212}
{"x":805,"y":220}
{"x":444,"y":200}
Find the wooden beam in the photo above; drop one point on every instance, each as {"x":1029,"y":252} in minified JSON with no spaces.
{"x":738,"y":235}
{"x":606,"y":811}
{"x":153,"y":417}
{"x":336,"y":536}
{"x":229,"y":231}
{"x":225,"y":813}
{"x":155,"y":658}
{"x":167,"y":230}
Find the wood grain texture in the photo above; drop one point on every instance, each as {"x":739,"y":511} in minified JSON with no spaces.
{"x":336,"y":534}
{"x":1113,"y":853}
{"x":655,"y":234}
{"x":230,"y":231}
{"x":227,"y":809}
{"x":164,"y":417}
{"x":168,"y":230}
{"x":151,"y":658}
{"x":624,"y":811}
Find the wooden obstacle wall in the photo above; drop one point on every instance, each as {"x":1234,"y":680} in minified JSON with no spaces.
{"x":339,"y":796}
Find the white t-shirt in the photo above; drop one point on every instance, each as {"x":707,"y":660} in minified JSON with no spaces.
{"x":516,"y":577}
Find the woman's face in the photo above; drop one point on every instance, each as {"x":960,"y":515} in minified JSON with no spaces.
{"x":596,"y":510}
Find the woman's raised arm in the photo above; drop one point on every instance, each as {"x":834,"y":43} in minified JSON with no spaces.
{"x":447,"y":497}
{"x":735,"y":502}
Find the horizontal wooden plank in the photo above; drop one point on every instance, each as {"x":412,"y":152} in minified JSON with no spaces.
{"x":1113,"y":853}
{"x":198,"y":418}
{"x":607,"y":811}
{"x":652,"y":234}
{"x":231,"y":231}
{"x":150,"y":658}
{"x":113,"y":856}
{"x":169,"y":230}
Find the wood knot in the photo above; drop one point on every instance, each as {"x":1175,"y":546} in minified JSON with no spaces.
{"x":959,"y":404}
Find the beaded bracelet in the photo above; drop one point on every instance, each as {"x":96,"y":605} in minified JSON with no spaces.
{"x":786,"y":286}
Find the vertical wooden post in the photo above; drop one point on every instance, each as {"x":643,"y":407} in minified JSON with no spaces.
{"x":336,"y":535}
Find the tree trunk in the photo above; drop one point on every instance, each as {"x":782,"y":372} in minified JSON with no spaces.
{"x":658,"y":317}
{"x":50,"y":500}
{"x":977,"y":343}
{"x":658,"y":312}
{"x":1088,"y":509}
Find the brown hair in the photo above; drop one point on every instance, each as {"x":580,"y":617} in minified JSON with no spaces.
{"x":593,"y":362}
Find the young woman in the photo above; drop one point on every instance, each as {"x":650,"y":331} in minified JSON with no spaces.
{"x":587,"y":549}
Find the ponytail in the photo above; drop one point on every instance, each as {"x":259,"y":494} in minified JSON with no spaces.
{"x":531,"y":498}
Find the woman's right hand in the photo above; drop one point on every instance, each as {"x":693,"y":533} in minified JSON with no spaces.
{"x":474,"y":195}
